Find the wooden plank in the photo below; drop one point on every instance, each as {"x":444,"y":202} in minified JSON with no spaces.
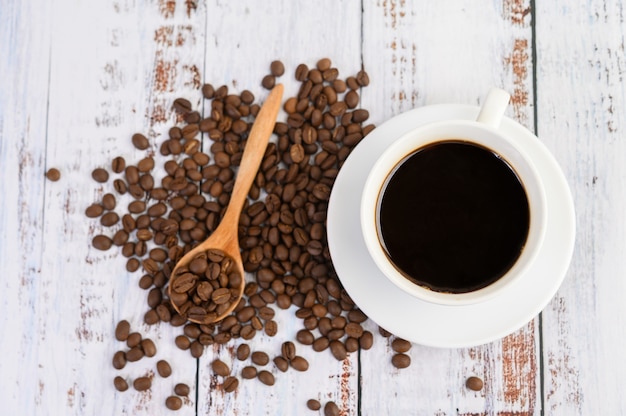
{"x":25,"y":45}
{"x":581,"y":107}
{"x":114,"y":71}
{"x":418,"y":54}
{"x":242,"y":39}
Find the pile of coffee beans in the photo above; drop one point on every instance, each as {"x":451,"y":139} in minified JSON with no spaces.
{"x":282,"y":226}
{"x":206,"y":288}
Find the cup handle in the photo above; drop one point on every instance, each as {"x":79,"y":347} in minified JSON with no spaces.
{"x":494,"y":107}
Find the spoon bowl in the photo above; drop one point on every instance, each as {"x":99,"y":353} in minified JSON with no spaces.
{"x":197,"y":293}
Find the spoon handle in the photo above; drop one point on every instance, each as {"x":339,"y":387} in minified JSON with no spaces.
{"x":253,"y":153}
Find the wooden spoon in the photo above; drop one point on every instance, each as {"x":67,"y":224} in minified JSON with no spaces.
{"x":225,"y":237}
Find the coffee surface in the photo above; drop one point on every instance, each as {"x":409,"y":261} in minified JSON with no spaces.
{"x":453,"y":217}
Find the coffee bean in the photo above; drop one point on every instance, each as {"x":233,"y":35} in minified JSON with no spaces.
{"x":331,"y":409}
{"x":119,"y":360}
{"x":243,"y":351}
{"x":99,"y":175}
{"x":474,"y":383}
{"x":135,"y":354}
{"x":338,"y":350}
{"x":305,"y":337}
{"x":118,"y":164}
{"x":362,"y":78}
{"x":288,"y":350}
{"x":182,"y":342}
{"x":401,"y":360}
{"x":148,"y":347}
{"x":351,"y":344}
{"x":163,"y":368}
{"x":173,"y":403}
{"x":268,"y":82}
{"x":320,"y":344}
{"x":142,"y":383}
{"x":230,"y":384}
{"x":367,"y":340}
{"x":53,"y":174}
{"x":101,"y":242}
{"x":313,"y":404}
{"x":181,"y":389}
{"x":281,"y":363}
{"x":260,"y":358}
{"x":277,"y":68}
{"x":182,"y":106}
{"x":400,"y":345}
{"x":140,"y":141}
{"x":94,"y":210}
{"x":299,"y":363}
{"x":220,"y":368}
{"x":249,"y":372}
{"x":120,"y":383}
{"x":354,"y":330}
{"x":301,"y":72}
{"x":122,"y":330}
{"x":266,"y":377}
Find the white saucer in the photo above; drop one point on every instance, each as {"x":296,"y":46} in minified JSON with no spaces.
{"x":427,"y":323}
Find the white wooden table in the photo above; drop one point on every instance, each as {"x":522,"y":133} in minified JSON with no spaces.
{"x":78,"y":78}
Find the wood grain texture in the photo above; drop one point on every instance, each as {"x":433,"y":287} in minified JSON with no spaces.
{"x":581,"y":106}
{"x":243,"y":38}
{"x":414,"y":47}
{"x":78,"y":78}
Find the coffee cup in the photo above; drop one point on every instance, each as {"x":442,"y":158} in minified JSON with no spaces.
{"x":454,"y":212}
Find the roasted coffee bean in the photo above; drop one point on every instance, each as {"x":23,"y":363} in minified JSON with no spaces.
{"x":99,"y":175}
{"x":140,"y":141}
{"x":266,"y":377}
{"x":338,"y":350}
{"x":94,"y":210}
{"x":243,"y":351}
{"x":268,"y":81}
{"x":220,"y":368}
{"x":299,"y":363}
{"x":288,"y":350}
{"x":260,"y":358}
{"x":401,"y":360}
{"x":271,"y":328}
{"x":182,"y":389}
{"x":120,"y":383}
{"x":400,"y":345}
{"x":122,"y":330}
{"x":118,"y":164}
{"x":249,"y":372}
{"x":305,"y":337}
{"x":367,"y":340}
{"x":277,"y":68}
{"x":196,"y":349}
{"x":163,"y":368}
{"x":354,"y":330}
{"x":133,"y":340}
{"x":320,"y":344}
{"x":134,"y":354}
{"x":108,"y":201}
{"x":382,"y":331}
{"x":142,"y":383}
{"x":281,"y":363}
{"x":230,"y":384}
{"x":53,"y":174}
{"x":331,"y":409}
{"x":101,"y":242}
{"x":362,"y":78}
{"x":182,"y":342}
{"x":474,"y":383}
{"x":351,"y":344}
{"x":182,"y":106}
{"x":148,"y":347}
{"x":173,"y":403}
{"x":119,"y":360}
{"x":313,"y":404}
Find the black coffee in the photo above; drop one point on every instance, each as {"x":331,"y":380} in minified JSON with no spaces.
{"x":453,"y":217}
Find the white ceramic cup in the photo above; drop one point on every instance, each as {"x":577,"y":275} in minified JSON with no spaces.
{"x":483,"y":132}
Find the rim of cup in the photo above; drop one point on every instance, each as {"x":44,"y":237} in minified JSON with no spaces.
{"x":467,"y":131}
